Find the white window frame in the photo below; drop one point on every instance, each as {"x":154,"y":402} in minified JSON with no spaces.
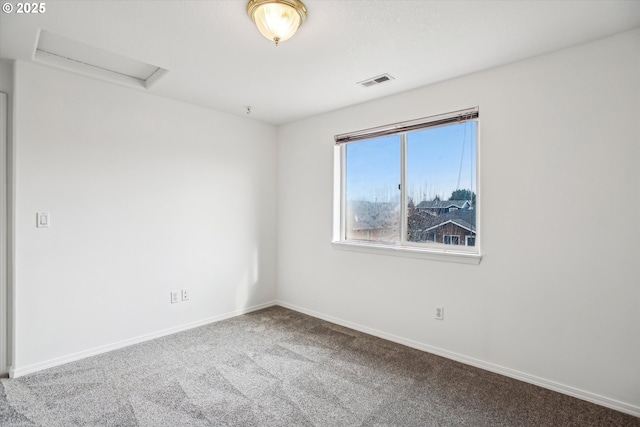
{"x":451,"y":253}
{"x":466,"y":239}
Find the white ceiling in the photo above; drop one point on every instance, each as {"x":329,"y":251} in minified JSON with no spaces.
{"x":217,"y":58}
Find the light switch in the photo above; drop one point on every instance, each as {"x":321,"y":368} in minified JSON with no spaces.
{"x":43,"y":220}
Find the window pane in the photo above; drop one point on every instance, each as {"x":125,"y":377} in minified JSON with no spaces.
{"x":441,"y":185}
{"x":372,"y":194}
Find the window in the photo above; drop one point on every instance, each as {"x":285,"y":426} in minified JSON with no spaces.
{"x":410,"y":186}
{"x":373,"y":173}
{"x":451,"y":240}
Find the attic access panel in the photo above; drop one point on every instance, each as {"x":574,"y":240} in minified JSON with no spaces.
{"x":72,"y":55}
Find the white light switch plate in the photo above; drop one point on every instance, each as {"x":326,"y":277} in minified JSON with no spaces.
{"x":43,"y":220}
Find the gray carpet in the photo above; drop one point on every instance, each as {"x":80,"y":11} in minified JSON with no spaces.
{"x":277,"y":367}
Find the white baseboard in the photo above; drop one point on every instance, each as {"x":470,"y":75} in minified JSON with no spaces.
{"x":617,"y":405}
{"x":29,"y":369}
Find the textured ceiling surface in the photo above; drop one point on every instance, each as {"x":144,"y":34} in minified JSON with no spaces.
{"x":216,"y":57}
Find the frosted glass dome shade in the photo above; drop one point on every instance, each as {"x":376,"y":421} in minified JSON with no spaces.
{"x":277,"y":20}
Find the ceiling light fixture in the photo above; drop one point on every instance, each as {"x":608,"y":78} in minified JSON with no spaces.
{"x":277,"y":20}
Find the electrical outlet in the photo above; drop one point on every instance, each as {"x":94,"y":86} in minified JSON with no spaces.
{"x":175,"y":297}
{"x":185,"y":295}
{"x":440,"y":313}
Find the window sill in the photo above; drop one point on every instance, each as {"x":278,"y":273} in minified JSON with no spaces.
{"x":409,"y":252}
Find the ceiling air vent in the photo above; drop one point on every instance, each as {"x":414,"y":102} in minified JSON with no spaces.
{"x":78,"y":57}
{"x":375,"y":80}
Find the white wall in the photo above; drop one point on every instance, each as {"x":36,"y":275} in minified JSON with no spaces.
{"x":556,"y":298}
{"x":146,"y":195}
